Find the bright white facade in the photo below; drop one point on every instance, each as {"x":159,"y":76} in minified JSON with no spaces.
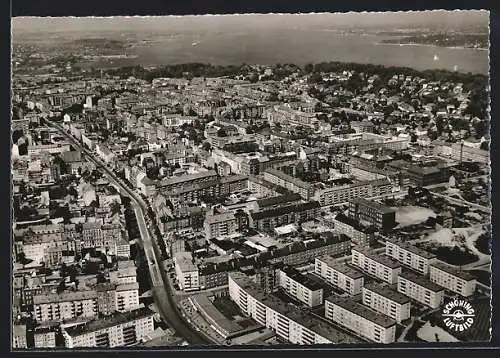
{"x":360,"y":319}
{"x":339,"y":275}
{"x":376,"y":265}
{"x":384,"y":300}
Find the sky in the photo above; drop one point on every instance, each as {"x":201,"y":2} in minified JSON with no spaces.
{"x":445,"y":19}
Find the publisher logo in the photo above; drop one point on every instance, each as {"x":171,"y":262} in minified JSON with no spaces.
{"x":458,"y":315}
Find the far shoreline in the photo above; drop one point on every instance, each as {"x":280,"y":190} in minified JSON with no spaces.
{"x":434,"y":46}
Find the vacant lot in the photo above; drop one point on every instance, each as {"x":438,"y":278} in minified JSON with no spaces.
{"x":413,"y":215}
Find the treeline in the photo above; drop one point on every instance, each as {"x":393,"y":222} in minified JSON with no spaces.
{"x":443,"y":40}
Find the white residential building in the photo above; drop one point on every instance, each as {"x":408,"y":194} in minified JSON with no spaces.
{"x":300,"y":287}
{"x":452,"y":279}
{"x":68,"y":305}
{"x":289,"y":322}
{"x":409,"y":255}
{"x":127,"y":297}
{"x":187,"y":272}
{"x":360,"y":319}
{"x":376,"y":265}
{"x":420,"y":289}
{"x":384,"y":300}
{"x":339,"y":275}
{"x":45,"y":337}
{"x":118,"y":330}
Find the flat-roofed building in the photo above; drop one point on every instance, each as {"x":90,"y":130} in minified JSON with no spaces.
{"x":452,"y":279}
{"x":45,"y":337}
{"x":354,"y":316}
{"x":277,"y":177}
{"x":376,"y":265}
{"x":300,"y":287}
{"x":387,"y":301}
{"x":127,"y":296}
{"x":19,"y":340}
{"x":67,"y":305}
{"x":220,"y":225}
{"x":339,"y":275}
{"x":420,"y":289}
{"x":289,"y":322}
{"x":118,"y":330}
{"x":359,"y":234}
{"x":186,"y":271}
{"x":372,"y":213}
{"x":409,"y":255}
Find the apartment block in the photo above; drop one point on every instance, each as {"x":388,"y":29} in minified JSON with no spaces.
{"x":372,"y":213}
{"x":452,"y":279}
{"x":45,"y":337}
{"x":67,"y":305}
{"x":409,"y":255}
{"x":19,"y":340}
{"x":354,"y":316}
{"x":289,"y":322}
{"x":186,"y":271}
{"x":277,"y":177}
{"x":376,"y":265}
{"x":217,"y":225}
{"x":387,"y":301}
{"x":127,"y":296}
{"x":300,"y":287}
{"x":420,"y":289}
{"x":339,"y":275}
{"x":359,"y":234}
{"x":118,"y":330}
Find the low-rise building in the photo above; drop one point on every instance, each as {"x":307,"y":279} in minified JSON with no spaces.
{"x":376,"y":265}
{"x":339,"y":275}
{"x":420,"y":289}
{"x":409,"y":255}
{"x":384,"y":300}
{"x":300,"y":287}
{"x":360,"y":319}
{"x":452,"y":279}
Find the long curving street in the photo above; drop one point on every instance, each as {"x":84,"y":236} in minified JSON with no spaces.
{"x":162,"y":292}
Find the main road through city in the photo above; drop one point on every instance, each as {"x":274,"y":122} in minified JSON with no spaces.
{"x":161,"y":290}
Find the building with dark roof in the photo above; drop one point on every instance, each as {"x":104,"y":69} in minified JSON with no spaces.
{"x":387,"y":301}
{"x":118,"y":330}
{"x":409,"y":255}
{"x":382,"y":267}
{"x":354,"y":316}
{"x":300,"y":287}
{"x":453,"y":279}
{"x":339,"y":275}
{"x":420,"y":289}
{"x":269,"y":219}
{"x":289,"y":322}
{"x":372,"y":213}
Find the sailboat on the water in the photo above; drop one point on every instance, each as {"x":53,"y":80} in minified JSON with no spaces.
{"x":436,"y":57}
